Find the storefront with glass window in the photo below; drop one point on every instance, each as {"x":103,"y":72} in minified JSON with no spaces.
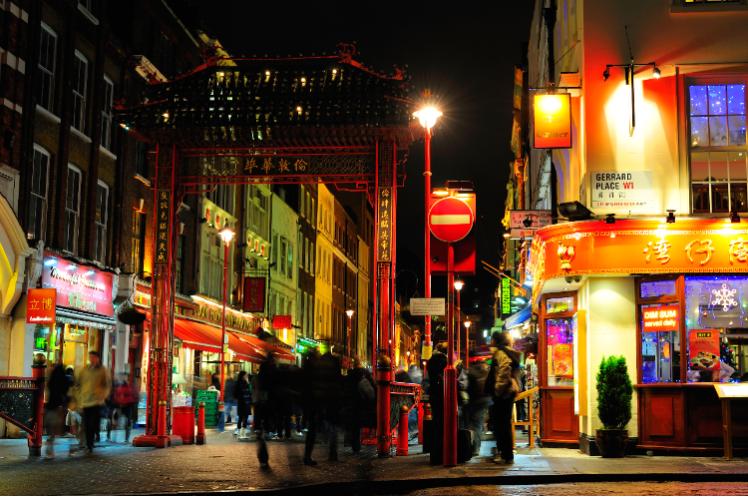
{"x":672,"y":298}
{"x":84,"y":314}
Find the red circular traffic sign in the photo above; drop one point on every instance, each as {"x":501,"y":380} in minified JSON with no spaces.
{"x":450,"y":219}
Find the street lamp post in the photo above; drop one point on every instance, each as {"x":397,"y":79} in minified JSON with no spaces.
{"x":467,"y":324}
{"x":227,"y":235}
{"x":459,"y":284}
{"x":427,"y":117}
{"x":349,"y":314}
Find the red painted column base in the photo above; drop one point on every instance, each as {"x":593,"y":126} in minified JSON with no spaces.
{"x":402,"y":432}
{"x":450,"y":416}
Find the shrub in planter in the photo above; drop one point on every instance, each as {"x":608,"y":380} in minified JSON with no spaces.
{"x":613,"y":406}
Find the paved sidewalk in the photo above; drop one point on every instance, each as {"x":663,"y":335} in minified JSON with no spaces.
{"x":225,"y":464}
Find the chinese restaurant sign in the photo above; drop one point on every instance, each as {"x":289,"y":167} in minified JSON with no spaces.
{"x":552,"y":121}
{"x":660,"y":319}
{"x":254,"y":294}
{"x":506,"y":297}
{"x":40,"y":306}
{"x":282,"y":322}
{"x":79,"y":287}
{"x":639,"y":247}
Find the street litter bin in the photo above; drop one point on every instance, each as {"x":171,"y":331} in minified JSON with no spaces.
{"x":183,"y":423}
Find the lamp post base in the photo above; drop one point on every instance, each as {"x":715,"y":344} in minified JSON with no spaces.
{"x":157,"y":441}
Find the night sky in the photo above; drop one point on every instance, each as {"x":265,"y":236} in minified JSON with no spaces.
{"x":465,"y":57}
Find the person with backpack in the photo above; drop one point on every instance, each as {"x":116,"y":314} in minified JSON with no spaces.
{"x":503,"y":386}
{"x":479,"y":401}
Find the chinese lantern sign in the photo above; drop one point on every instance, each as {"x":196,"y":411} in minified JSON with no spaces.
{"x":552,"y":121}
{"x":40,"y":306}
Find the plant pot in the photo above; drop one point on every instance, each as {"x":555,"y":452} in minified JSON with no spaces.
{"x":612,"y":442}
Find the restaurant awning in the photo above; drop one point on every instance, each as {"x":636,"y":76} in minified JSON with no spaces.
{"x":205,"y":337}
{"x":196,"y":335}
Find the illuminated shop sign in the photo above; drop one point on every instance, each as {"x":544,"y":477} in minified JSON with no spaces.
{"x":660,"y":319}
{"x":79,"y":287}
{"x":40,"y":306}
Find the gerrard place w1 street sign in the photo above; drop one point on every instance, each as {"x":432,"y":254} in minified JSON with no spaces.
{"x":451,"y":219}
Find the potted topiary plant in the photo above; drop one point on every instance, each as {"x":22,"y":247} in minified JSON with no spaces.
{"x":613,"y":406}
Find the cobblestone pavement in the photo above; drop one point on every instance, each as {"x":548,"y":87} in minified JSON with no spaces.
{"x":597,"y":489}
{"x":227,"y":466}
{"x":224,"y":464}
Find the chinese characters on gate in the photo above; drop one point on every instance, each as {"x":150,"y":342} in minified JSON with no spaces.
{"x":384,"y":230}
{"x":162,"y":232}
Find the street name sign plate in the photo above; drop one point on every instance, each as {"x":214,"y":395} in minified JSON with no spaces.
{"x":421,"y":306}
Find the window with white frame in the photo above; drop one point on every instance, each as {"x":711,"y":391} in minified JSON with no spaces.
{"x":80,"y":80}
{"x":289,"y":257}
{"x":47,"y":62}
{"x":106,"y":114}
{"x":717,"y":147}
{"x":211,"y":269}
{"x":282,"y":255}
{"x":72,"y":208}
{"x":101,"y":217}
{"x":37,"y":220}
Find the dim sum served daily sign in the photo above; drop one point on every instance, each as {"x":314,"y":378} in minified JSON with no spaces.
{"x":660,"y":319}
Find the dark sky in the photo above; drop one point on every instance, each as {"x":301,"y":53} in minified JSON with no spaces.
{"x":463,"y":52}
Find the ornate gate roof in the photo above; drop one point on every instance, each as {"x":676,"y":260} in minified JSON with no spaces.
{"x":276,"y":102}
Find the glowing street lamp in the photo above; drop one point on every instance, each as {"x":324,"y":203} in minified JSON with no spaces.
{"x":467,"y":324}
{"x":227,"y":235}
{"x":427,"y":116}
{"x":349,"y":314}
{"x":459,"y":284}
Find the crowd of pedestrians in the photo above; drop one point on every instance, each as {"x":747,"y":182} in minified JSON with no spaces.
{"x":285,"y":401}
{"x":76,"y":403}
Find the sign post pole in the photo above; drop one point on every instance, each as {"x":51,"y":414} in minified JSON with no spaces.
{"x":450,"y":374}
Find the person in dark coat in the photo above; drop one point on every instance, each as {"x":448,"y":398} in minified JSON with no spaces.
{"x":322,"y":399}
{"x":266,"y":378}
{"x":435,"y":370}
{"x":503,"y":385}
{"x":58,"y":385}
{"x":243,"y":396}
{"x":479,"y":401}
{"x":361,"y":398}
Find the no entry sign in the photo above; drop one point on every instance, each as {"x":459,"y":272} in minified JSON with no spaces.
{"x":451,"y":219}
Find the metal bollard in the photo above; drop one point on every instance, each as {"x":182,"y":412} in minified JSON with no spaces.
{"x":420,"y":422}
{"x":200,"y":437}
{"x":402,"y":433}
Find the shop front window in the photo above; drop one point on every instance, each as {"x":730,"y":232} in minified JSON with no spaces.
{"x":560,"y":344}
{"x":660,"y":343}
{"x":717,"y":328}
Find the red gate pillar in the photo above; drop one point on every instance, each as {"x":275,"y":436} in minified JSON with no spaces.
{"x":162,"y":305}
{"x":384,"y":262}
{"x":35,"y":439}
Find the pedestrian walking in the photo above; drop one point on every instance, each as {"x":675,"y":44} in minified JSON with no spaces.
{"x":323,"y":382}
{"x":242,"y":393}
{"x":93,"y":387}
{"x":479,"y":401}
{"x":361,"y":400}
{"x":503,"y":385}
{"x":124,"y":400}
{"x":58,"y":385}
{"x":230,"y":402}
{"x":266,"y":378}
{"x":435,"y":371}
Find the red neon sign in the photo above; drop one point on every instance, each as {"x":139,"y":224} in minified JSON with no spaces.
{"x":79,"y":287}
{"x":40,"y":306}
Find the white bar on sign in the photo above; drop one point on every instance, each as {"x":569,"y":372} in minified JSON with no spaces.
{"x":450,"y":219}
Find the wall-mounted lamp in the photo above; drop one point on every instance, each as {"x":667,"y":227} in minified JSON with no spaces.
{"x":670,"y":216}
{"x":610,"y":218}
{"x":628,"y":70}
